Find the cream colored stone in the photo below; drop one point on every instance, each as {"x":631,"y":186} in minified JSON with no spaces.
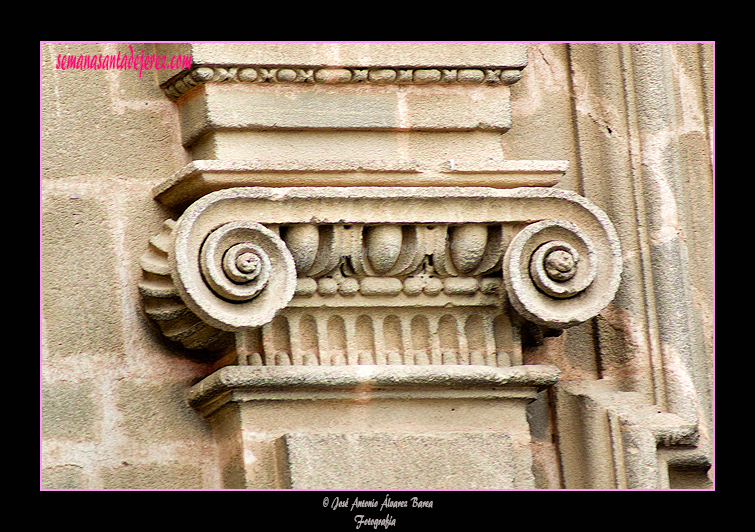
{"x":627,"y":126}
{"x":223,"y":296}
{"x":294,"y":411}
{"x":422,"y":256}
{"x":203,"y":176}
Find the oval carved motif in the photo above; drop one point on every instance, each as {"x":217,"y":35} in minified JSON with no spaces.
{"x":383,"y":246}
{"x":303,"y":240}
{"x":467,"y":246}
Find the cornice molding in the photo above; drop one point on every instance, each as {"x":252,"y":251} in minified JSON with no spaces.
{"x":185,"y":82}
{"x":249,"y":383}
{"x":200,"y":177}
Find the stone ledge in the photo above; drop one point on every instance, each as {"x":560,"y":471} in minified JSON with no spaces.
{"x":628,"y":442}
{"x":362,"y":378}
{"x":201,"y":177}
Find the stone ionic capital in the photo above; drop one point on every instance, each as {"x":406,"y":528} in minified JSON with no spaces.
{"x":347,"y":261}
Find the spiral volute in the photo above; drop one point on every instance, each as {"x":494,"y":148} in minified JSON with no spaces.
{"x":553,"y":274}
{"x":234,"y":266}
{"x":236,"y":276}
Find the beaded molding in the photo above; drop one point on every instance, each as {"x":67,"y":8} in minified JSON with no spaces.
{"x":175,"y":88}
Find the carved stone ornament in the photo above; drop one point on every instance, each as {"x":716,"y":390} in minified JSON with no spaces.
{"x":379,"y":275}
{"x":375,"y":75}
{"x":364,"y":266}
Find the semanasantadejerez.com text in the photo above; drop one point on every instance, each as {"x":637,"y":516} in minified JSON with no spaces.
{"x":124,"y":61}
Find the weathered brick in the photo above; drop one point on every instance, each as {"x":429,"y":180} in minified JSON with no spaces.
{"x":64,"y":477}
{"x":151,"y":476}
{"x":81,"y":305}
{"x":70,"y":411}
{"x":158,"y":412}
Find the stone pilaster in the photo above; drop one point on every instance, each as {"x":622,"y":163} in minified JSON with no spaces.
{"x":349,"y":231}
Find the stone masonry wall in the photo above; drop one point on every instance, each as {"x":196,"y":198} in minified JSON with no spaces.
{"x":114,"y":413}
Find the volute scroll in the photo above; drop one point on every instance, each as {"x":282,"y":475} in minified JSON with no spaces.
{"x":235,"y":277}
{"x":555,"y":275}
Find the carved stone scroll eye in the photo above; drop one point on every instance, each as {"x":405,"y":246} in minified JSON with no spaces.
{"x":235,"y":269}
{"x":549,"y":269}
{"x":236,"y":276}
{"x":555,"y":268}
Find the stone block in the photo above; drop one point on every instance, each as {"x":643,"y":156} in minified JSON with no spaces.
{"x":225,"y":106}
{"x":65,"y":477}
{"x":70,"y":411}
{"x":129,"y":124}
{"x":290,"y":109}
{"x":157,"y":412}
{"x":400,"y":461}
{"x":81,"y":305}
{"x":152,"y":476}
{"x":431,"y":108}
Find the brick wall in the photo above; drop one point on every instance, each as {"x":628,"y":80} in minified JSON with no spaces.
{"x":634,"y":122}
{"x":113,"y":411}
